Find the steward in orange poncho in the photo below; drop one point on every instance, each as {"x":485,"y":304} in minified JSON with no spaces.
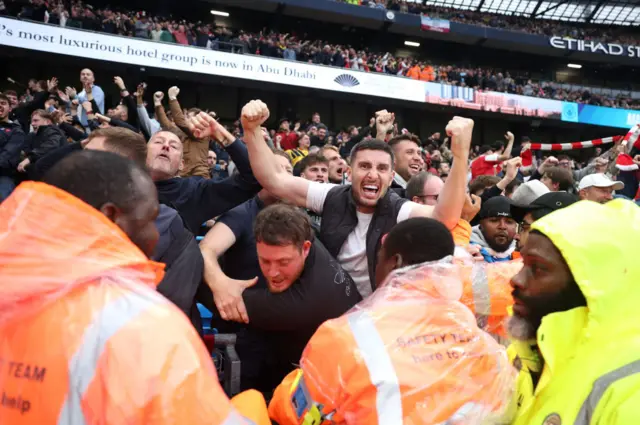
{"x":84,"y":336}
{"x":410,"y":353}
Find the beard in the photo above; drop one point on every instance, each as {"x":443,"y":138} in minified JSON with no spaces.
{"x":525,"y":328}
{"x":499,"y":247}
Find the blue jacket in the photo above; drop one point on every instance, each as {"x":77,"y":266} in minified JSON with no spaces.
{"x":12,"y":140}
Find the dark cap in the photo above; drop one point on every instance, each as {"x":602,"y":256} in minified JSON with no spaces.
{"x":498,"y":206}
{"x":543,"y":205}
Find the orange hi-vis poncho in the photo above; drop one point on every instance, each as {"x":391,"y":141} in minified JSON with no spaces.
{"x":84,"y":336}
{"x":409,"y":354}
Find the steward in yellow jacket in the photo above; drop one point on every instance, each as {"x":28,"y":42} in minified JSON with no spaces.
{"x":576,"y":315}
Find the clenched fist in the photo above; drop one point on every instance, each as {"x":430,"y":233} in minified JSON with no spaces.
{"x":460,"y":130}
{"x":472,"y":205}
{"x":509,"y":137}
{"x":173,"y":93}
{"x":384,"y":123}
{"x":512,"y":167}
{"x":254,"y":114}
{"x":203,"y":125}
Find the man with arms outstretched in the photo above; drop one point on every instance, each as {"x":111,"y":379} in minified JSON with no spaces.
{"x":361,"y":213}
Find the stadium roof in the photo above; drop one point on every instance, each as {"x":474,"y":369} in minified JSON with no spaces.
{"x":606,"y":12}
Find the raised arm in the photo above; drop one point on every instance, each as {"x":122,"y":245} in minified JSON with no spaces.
{"x":452,"y":197}
{"x":161,"y":115}
{"x":265,"y":168}
{"x":507,"y":151}
{"x":176,"y":111}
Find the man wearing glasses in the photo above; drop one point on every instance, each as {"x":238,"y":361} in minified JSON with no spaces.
{"x":424,"y":188}
{"x":526,"y":215}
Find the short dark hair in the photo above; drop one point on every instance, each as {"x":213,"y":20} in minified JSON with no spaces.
{"x":124,"y":142}
{"x":282,"y":224}
{"x":482,"y":182}
{"x":560,"y":175}
{"x":415,"y":186}
{"x":511,"y":187}
{"x":419,"y":240}
{"x":485,"y":148}
{"x":312,"y":159}
{"x":372,"y":145}
{"x":404,"y":138}
{"x":4,"y":97}
{"x":497,"y":146}
{"x":10,"y":93}
{"x":98,"y":177}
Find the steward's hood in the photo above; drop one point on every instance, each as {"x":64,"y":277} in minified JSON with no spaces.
{"x":52,"y":242}
{"x":599,"y":244}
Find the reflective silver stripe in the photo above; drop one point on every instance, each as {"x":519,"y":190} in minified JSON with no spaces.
{"x":381,"y":370}
{"x":233,"y":418}
{"x":600,"y":386}
{"x":82,"y":366}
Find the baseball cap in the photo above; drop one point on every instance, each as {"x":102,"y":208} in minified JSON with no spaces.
{"x":498,"y":206}
{"x":528,"y":192}
{"x":545,"y":204}
{"x":599,"y":180}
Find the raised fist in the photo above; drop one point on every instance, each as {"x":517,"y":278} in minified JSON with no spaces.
{"x":472,"y":205}
{"x":173,"y":92}
{"x":157,"y":97}
{"x":254,"y":114}
{"x":203,"y":125}
{"x":119,"y":82}
{"x":509,"y":136}
{"x":460,"y":130}
{"x":384,"y":122}
{"x":512,"y":167}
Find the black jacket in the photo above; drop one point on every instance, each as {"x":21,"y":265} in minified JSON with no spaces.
{"x":47,"y":139}
{"x":12,"y":141}
{"x":324,"y":291}
{"x":339,"y":219}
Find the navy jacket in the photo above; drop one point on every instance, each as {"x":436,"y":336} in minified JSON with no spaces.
{"x":12,"y":140}
{"x":198,"y":199}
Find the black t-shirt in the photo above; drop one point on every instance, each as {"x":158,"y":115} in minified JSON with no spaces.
{"x":241,"y":260}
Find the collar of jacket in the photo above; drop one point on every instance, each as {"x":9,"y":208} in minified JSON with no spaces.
{"x":397,"y":178}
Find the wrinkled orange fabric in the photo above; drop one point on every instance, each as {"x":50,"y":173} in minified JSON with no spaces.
{"x":84,"y":336}
{"x":443,"y":367}
{"x":461,"y":233}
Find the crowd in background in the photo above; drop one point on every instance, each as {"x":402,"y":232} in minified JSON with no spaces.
{"x":298,"y":48}
{"x":539,"y":26}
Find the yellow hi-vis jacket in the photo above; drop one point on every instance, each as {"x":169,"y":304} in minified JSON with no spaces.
{"x":411,"y":353}
{"x":591,"y":372}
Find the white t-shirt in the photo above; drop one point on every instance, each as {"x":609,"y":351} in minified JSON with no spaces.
{"x":353,"y":254}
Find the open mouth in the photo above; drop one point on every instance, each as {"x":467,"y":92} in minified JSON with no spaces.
{"x":163,"y":156}
{"x":340,"y":170}
{"x":319,"y":180}
{"x":370,"y":190}
{"x":415,"y":168}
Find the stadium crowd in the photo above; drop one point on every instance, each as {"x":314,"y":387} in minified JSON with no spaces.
{"x":301,"y":223}
{"x":539,"y":26}
{"x":293,"y":47}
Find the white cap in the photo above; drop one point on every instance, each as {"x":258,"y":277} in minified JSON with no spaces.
{"x":599,"y":180}
{"x":528,"y":192}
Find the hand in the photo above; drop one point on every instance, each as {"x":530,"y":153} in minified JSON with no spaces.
{"x":601,"y":162}
{"x":460,"y":130}
{"x":119,"y":83}
{"x":509,"y":137}
{"x":296,"y":127}
{"x":102,"y":118}
{"x":86,"y":106}
{"x":472,"y":204}
{"x":173,"y":93}
{"x":22,"y":167}
{"x":253,"y":115}
{"x":512,"y":167}
{"x":474,"y":251}
{"x":526,"y":146}
{"x":66,"y":118}
{"x":384,"y":123}
{"x":71,"y":92}
{"x":228,"y":299}
{"x":75,"y":102}
{"x":140,"y":90}
{"x":63,"y":96}
{"x":52,"y":84}
{"x":157,"y":97}
{"x":203,"y":125}
{"x":552,"y":161}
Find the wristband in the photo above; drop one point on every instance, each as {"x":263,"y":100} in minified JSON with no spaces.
{"x":89,"y":112}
